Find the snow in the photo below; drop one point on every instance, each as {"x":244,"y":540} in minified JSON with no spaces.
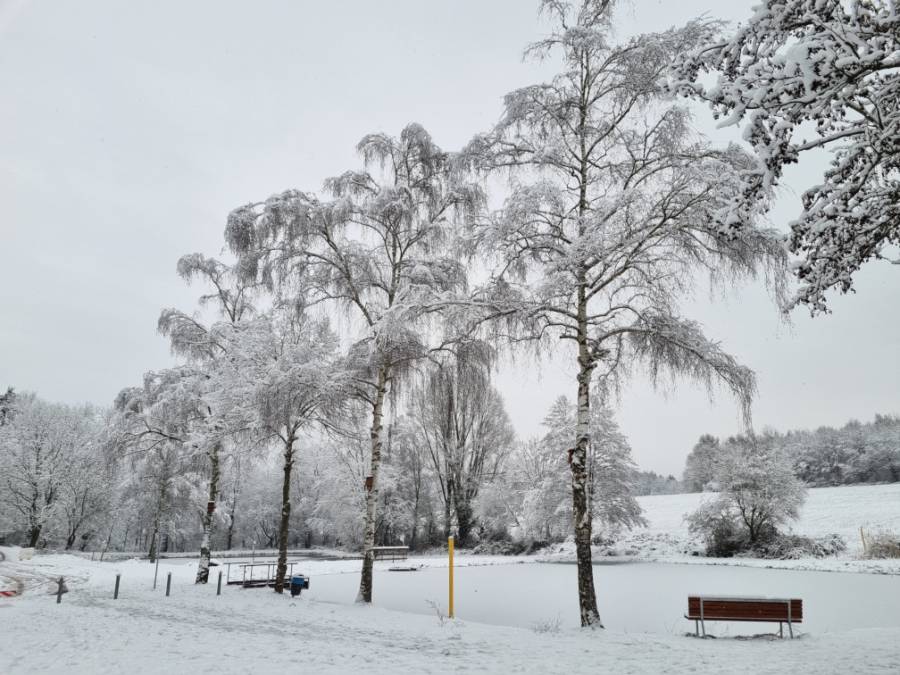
{"x":840,"y":510}
{"x":514,"y":615}
{"x":256,"y":631}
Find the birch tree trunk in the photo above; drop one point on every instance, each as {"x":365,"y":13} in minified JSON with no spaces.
{"x":281,"y":569}
{"x":203,"y":566}
{"x":365,"y":582}
{"x":587,"y":597}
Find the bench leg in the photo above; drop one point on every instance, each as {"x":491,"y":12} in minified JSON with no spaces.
{"x":780,"y":629}
{"x":791,"y":630}
{"x":703,"y":625}
{"x":696,"y":628}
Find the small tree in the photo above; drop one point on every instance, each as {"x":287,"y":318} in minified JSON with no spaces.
{"x":39,"y":448}
{"x":463,"y":424}
{"x":7,"y":406}
{"x":698,"y":467}
{"x":758,"y":493}
{"x":806,"y":75}
{"x":280,"y":377}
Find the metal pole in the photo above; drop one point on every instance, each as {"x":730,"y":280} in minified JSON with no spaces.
{"x":156,"y":569}
{"x":450,"y":554}
{"x":219,"y":586}
{"x":116,"y":592}
{"x":168,"y":583}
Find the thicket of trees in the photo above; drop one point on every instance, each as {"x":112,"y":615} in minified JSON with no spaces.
{"x":854,"y":453}
{"x":100,"y":482}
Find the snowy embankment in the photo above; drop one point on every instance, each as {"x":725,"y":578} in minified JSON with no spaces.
{"x":832,"y":510}
{"x":244,"y":631}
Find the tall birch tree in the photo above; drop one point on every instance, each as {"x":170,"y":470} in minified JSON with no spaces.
{"x":612,"y":209}
{"x":378,"y":249}
{"x":191,"y":339}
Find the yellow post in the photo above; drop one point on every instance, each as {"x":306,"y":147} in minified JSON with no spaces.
{"x":450,"y":553}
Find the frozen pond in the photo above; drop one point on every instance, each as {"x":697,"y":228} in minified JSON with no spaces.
{"x":632,"y":597}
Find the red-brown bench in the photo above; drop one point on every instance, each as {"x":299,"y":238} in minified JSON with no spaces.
{"x":702,"y":608}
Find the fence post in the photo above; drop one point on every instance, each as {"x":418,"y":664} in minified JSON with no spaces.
{"x":168,"y":583}
{"x":450,"y":553}
{"x":59,"y":590}
{"x":116,"y":592}
{"x":219,"y":586}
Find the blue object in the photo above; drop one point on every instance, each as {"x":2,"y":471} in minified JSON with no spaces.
{"x":298,"y":583}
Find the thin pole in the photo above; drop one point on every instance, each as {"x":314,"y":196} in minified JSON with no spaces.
{"x":219,"y":587}
{"x":116,"y":591}
{"x":156,"y":569}
{"x":59,"y":591}
{"x":168,"y":583}
{"x":450,"y":554}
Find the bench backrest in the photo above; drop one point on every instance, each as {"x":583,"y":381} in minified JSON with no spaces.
{"x":745,"y":609}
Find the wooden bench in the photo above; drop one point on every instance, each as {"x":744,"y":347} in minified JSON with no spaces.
{"x":255,"y":575}
{"x":723,"y":608}
{"x":390,"y":552}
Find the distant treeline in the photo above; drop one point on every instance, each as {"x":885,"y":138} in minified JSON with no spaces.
{"x":855,"y":453}
{"x":652,"y":483}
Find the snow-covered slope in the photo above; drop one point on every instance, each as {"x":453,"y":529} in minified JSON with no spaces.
{"x":833,"y":510}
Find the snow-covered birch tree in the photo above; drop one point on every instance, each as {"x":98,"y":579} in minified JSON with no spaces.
{"x":378,"y":249}
{"x":282,"y":375}
{"x":190,"y":339}
{"x":612,"y":210}
{"x":157,"y":430}
{"x":807,"y":75}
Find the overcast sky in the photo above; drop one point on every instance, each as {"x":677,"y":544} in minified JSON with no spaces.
{"x":128,"y":131}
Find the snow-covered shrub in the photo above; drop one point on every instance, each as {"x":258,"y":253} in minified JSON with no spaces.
{"x":883,"y":545}
{"x":722,"y":531}
{"x":792,"y":547}
{"x":547,"y":625}
{"x":509,"y":547}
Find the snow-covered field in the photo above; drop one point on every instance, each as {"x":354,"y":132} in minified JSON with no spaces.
{"x":838,"y":510}
{"x":841,"y":510}
{"x":513,"y":614}
{"x":255,"y":631}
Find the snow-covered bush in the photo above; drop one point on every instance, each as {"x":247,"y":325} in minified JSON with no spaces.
{"x":883,"y":545}
{"x":759,"y":492}
{"x":792,"y":546}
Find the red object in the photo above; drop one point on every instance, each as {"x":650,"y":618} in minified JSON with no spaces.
{"x":369,"y":482}
{"x":210,"y":507}
{"x":8,"y":594}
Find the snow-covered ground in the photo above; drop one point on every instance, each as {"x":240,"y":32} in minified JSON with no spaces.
{"x":833,"y":510}
{"x":513,"y":615}
{"x":255,"y":631}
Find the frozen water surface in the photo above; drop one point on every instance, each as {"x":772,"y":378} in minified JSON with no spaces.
{"x":632,"y":597}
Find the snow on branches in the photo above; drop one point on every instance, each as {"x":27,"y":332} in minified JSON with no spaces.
{"x":808,"y":74}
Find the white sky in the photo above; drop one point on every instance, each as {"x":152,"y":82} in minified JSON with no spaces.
{"x":128,"y":131}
